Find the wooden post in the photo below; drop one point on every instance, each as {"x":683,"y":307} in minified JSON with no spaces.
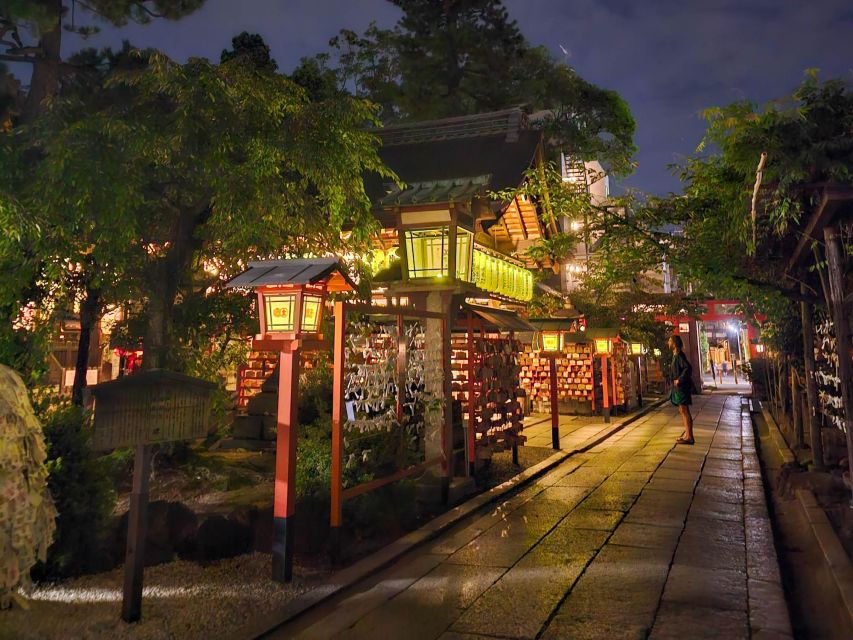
{"x":337,"y":426}
{"x":639,"y":383}
{"x":555,"y":409}
{"x":613,"y":394}
{"x":284,"y":498}
{"x":472,"y":401}
{"x":137,"y":528}
{"x":447,"y":427}
{"x":605,"y":401}
{"x":835,"y":270}
{"x":796,"y":418}
{"x":811,"y":383}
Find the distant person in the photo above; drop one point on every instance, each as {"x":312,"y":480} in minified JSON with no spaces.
{"x":682,"y":387}
{"x":725,"y":368}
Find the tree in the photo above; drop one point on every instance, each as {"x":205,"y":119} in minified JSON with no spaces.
{"x":460,"y":57}
{"x":219,"y":164}
{"x":80,"y":246}
{"x":252,"y":47}
{"x":721,"y":244}
{"x":31,"y":31}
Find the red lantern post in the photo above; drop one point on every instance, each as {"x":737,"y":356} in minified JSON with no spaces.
{"x":552,"y":344}
{"x":291,"y":299}
{"x":603,"y":348}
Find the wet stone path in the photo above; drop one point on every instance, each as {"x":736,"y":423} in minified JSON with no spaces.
{"x":635,"y":539}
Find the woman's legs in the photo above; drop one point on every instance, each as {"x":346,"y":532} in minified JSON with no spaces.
{"x":687,"y":418}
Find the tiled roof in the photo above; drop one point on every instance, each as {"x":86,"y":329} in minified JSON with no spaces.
{"x":433,"y":191}
{"x":298,"y":271}
{"x":508,"y":122}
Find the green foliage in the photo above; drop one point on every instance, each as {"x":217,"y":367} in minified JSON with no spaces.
{"x":467,"y":56}
{"x":82,"y":489}
{"x":315,"y":76}
{"x":314,"y":455}
{"x":170,"y":168}
{"x":251,"y":47}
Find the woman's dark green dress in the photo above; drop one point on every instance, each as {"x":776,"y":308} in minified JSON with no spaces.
{"x":682,"y":393}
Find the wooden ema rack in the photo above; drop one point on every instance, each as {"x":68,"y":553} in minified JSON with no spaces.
{"x":578,"y":377}
{"x":497,"y":397}
{"x":574,"y":375}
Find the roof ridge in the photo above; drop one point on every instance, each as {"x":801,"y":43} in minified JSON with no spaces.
{"x":506,"y":121}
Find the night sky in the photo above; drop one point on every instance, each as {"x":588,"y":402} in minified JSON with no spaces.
{"x":668,"y":58}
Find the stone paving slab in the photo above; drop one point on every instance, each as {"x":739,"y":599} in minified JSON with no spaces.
{"x":635,"y":538}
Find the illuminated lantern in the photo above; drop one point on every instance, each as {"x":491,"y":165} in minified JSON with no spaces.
{"x":291,"y":296}
{"x":427,"y":252}
{"x":603,"y":346}
{"x":464,"y":254}
{"x":759,"y":348}
{"x":552,"y":341}
{"x":636,"y":349}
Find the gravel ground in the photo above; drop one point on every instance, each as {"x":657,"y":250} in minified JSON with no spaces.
{"x":182,"y":600}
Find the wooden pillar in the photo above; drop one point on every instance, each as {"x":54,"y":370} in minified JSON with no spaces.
{"x":835,"y":259}
{"x":339,"y":363}
{"x":796,"y":418}
{"x":284,"y":498}
{"x":613,"y":394}
{"x":605,"y":401}
{"x":137,"y":528}
{"x":471,"y":439}
{"x":811,"y":383}
{"x":555,"y":409}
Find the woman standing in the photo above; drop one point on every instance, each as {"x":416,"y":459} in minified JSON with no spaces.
{"x":682,"y":387}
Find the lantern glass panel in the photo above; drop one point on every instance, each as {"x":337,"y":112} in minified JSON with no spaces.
{"x":311,"y":313}
{"x":427,"y":252}
{"x":636,"y":349}
{"x":278,"y":310}
{"x":602,"y":345}
{"x":551,"y":341}
{"x":478,"y":274}
{"x":464,"y":254}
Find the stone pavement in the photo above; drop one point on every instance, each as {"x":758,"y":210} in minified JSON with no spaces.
{"x":634,"y":539}
{"x":574,"y":430}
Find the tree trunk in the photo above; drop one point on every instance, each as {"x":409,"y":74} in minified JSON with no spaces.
{"x":167,"y":275}
{"x":46,"y":66}
{"x":88,"y":318}
{"x":811,"y":384}
{"x":836,"y":276}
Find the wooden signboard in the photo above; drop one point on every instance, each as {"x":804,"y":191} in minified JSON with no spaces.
{"x":140,"y":410}
{"x":150,"y":407}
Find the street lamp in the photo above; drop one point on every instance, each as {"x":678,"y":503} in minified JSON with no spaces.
{"x":291,"y":298}
{"x":552,"y":345}
{"x":603,"y":349}
{"x":637,"y":349}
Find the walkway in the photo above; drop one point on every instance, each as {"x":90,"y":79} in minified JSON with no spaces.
{"x":575,"y":431}
{"x":634,"y":539}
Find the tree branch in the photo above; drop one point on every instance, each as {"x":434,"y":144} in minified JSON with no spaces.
{"x":9,"y":58}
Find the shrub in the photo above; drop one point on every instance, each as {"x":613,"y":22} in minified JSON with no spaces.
{"x":82,"y":490}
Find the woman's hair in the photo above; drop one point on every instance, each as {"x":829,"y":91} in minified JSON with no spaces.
{"x":676,"y":340}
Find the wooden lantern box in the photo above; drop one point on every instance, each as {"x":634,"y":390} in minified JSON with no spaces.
{"x":150,"y":407}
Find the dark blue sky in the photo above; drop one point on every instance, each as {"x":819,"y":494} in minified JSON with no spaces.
{"x":668,"y":58}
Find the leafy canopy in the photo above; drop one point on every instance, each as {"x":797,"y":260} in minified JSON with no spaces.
{"x":462,"y":57}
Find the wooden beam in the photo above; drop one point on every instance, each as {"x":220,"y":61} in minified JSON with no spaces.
{"x":835,"y":260}
{"x":830,"y":200}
